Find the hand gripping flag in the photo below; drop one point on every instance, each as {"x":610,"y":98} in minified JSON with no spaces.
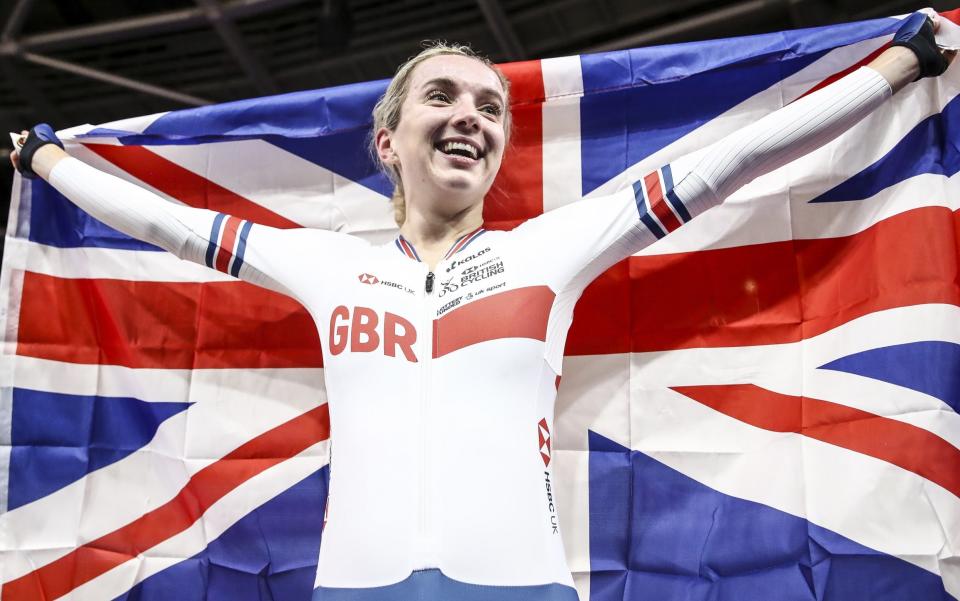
{"x":762,"y":405}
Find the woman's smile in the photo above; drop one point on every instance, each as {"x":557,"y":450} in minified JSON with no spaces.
{"x":455,"y":107}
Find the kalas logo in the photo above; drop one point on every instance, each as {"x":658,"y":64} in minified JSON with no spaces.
{"x":458,"y":262}
{"x":366,"y":278}
{"x":544,"y":431}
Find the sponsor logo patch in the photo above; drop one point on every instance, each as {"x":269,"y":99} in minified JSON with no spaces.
{"x":543,"y":434}
{"x":481,"y":273}
{"x":458,"y":262}
{"x":543,"y":431}
{"x":372,"y":280}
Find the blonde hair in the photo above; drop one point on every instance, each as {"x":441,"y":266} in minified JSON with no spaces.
{"x":386,"y":113}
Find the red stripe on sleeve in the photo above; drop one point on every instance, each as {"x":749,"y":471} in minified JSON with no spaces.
{"x":483,"y":320}
{"x":905,"y":445}
{"x":229,"y":238}
{"x":204,"y":488}
{"x":171,"y":325}
{"x":655,"y":193}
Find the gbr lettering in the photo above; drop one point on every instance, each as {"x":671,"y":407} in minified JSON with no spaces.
{"x":360,"y":331}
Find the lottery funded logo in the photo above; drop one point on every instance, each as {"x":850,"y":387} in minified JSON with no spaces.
{"x":452,"y":303}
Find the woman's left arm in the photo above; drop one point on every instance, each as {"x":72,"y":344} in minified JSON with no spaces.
{"x":810,"y":122}
{"x":662,"y":201}
{"x":913,"y":54}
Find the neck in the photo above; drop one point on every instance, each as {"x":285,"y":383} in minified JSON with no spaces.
{"x":424,"y":228}
{"x":432,"y":232}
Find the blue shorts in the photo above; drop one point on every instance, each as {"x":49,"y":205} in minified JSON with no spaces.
{"x":432,"y":585}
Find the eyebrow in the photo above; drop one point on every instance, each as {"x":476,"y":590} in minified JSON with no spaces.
{"x":446,"y":82}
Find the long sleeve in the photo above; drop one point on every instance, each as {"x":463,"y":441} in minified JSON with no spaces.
{"x":585,"y":238}
{"x":781,"y":137}
{"x":261,"y":255}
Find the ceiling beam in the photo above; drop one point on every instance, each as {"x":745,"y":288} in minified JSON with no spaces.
{"x":110,"y":78}
{"x":689,"y":26}
{"x":241,"y":53}
{"x":175,"y":20}
{"x":502,"y":30}
{"x":22,"y":84}
{"x":17,"y":16}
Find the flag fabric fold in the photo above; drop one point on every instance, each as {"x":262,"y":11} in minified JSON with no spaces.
{"x":762,"y":405}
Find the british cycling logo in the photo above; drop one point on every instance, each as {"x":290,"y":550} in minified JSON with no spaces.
{"x":448,"y":286}
{"x":481,"y":272}
{"x":471,"y":275}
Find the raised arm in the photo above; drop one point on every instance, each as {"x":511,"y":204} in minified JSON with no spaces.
{"x":609,"y":229}
{"x":255,"y":253}
{"x":811,"y":122}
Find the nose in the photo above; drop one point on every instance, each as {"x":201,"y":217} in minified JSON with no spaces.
{"x":466,"y":118}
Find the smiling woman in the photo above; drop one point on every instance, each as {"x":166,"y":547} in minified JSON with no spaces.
{"x":449,"y":72}
{"x":442,"y":479}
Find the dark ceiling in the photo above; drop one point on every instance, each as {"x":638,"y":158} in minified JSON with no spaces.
{"x":70,"y":62}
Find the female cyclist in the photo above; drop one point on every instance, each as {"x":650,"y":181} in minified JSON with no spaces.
{"x":441,"y":487}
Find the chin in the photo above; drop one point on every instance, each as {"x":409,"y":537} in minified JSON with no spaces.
{"x":460,"y":183}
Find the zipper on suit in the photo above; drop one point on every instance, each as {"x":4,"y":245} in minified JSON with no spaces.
{"x":427,"y":542}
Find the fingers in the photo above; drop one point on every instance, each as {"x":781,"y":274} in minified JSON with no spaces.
{"x":15,"y":153}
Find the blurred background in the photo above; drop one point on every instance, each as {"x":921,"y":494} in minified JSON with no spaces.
{"x":70,"y":62}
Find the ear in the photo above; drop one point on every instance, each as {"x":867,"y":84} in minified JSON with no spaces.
{"x":384,"y":143}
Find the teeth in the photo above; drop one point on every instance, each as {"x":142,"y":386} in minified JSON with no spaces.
{"x":449,"y":146}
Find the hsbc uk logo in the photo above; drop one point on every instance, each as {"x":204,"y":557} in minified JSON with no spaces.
{"x":372,"y":280}
{"x":543,"y":430}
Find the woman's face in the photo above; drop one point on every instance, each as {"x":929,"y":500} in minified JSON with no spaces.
{"x":449,"y":142}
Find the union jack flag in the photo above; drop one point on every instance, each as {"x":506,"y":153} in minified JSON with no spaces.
{"x":762,"y":405}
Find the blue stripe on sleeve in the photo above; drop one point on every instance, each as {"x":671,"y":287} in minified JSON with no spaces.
{"x":645,"y":217}
{"x":672,"y":197}
{"x":241,"y":248}
{"x":214,"y":234}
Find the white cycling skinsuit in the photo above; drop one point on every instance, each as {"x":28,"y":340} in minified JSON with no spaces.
{"x":441,"y":384}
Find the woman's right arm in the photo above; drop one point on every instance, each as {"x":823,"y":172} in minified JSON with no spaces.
{"x":216,"y":240}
